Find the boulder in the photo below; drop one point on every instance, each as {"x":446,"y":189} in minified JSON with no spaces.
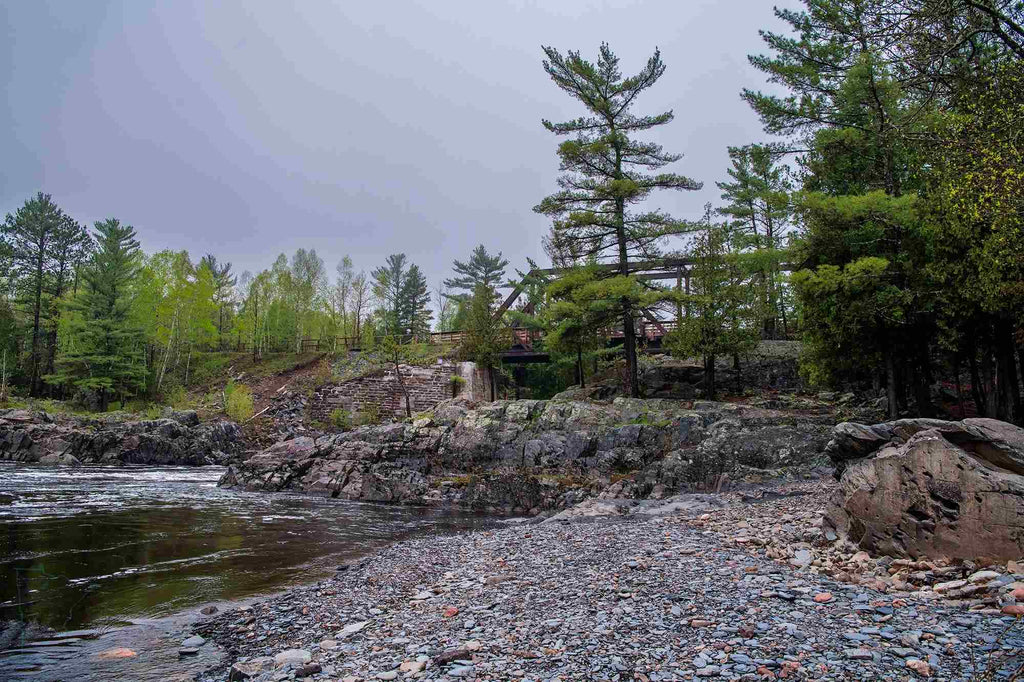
{"x":929,"y":488}
{"x":176,"y":439}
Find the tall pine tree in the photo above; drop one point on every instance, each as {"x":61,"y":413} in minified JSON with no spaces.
{"x":606,"y":171}
{"x":105,"y":353}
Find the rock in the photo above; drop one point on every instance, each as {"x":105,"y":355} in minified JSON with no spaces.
{"x":823,"y":597}
{"x":115,"y":653}
{"x":412,"y":666}
{"x":308,"y":670}
{"x":352,"y":628}
{"x":71,"y":440}
{"x":188,"y":651}
{"x":193,"y":641}
{"x":389,"y":675}
{"x":515,"y":448}
{"x":942,"y":489}
{"x":982,"y":577}
{"x":801,"y":558}
{"x":858,"y":654}
{"x":208,"y":610}
{"x":251,"y":668}
{"x":1013,"y":609}
{"x":918,"y":666}
{"x":328,"y":644}
{"x":292,"y":656}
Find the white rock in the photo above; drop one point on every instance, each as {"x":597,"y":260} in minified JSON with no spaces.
{"x":299,"y":656}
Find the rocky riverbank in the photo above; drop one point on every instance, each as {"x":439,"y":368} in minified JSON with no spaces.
{"x":680,"y":595}
{"x":176,"y":438}
{"x":527,"y":456}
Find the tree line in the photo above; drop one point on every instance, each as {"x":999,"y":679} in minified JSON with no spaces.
{"x":89,"y":313}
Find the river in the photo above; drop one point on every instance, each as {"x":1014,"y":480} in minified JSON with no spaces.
{"x":112,"y":553}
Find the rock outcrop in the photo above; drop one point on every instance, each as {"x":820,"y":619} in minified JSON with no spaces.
{"x":529,"y":454}
{"x":930,"y":488}
{"x":178,"y":438}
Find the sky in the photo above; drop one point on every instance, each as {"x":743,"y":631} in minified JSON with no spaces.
{"x":248,"y":129}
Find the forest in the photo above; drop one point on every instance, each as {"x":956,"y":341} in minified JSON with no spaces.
{"x":879,"y":222}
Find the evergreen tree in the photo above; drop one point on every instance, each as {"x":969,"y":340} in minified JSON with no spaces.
{"x":29,"y":234}
{"x":486,"y":338}
{"x":720,"y":321}
{"x":759,"y":205}
{"x":577,"y":311}
{"x":606,"y":171}
{"x":223,"y":287}
{"x":481,"y":268}
{"x":70,"y":247}
{"x":386,"y":285}
{"x":105,"y":352}
{"x":415,"y":313}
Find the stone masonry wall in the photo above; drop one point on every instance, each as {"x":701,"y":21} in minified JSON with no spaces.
{"x":427,"y":386}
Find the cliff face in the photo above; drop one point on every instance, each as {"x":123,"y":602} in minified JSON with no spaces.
{"x":177,"y":439}
{"x":530,"y":455}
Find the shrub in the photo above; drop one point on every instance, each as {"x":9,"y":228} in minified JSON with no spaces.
{"x":457,"y":383}
{"x":341,"y":419}
{"x":238,"y":401}
{"x":177,"y":397}
{"x":324,"y":372}
{"x":370,"y":414}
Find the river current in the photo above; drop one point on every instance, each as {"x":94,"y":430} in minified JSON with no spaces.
{"x":104,"y":551}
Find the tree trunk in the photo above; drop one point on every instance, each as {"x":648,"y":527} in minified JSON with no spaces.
{"x":891,"y":393}
{"x":34,"y":381}
{"x":579,"y":365}
{"x":736,"y":368}
{"x":490,"y":375}
{"x":1007,"y":386}
{"x":710,"y":391}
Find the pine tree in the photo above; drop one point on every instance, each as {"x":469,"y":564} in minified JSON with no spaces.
{"x":70,"y":247}
{"x":224,"y":284}
{"x":606,"y":171}
{"x":760,"y":208}
{"x":720,"y":321}
{"x":105,"y":352}
{"x":415,"y":311}
{"x":29,"y":234}
{"x":386,"y":285}
{"x":481,"y":268}
{"x":486,"y":338}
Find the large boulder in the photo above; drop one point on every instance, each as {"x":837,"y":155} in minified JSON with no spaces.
{"x":929,"y":488}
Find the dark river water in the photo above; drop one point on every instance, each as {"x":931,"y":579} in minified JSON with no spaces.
{"x":97,"y":548}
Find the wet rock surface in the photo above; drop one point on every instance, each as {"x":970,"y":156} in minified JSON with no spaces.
{"x":176,"y":438}
{"x":923,"y":488}
{"x":681,"y":596}
{"x":518,"y":456}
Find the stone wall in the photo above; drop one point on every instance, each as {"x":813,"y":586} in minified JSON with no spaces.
{"x":427,"y":386}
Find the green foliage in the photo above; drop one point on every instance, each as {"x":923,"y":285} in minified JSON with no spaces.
{"x":486,"y":337}
{"x":238,"y":402}
{"x":481,"y":268}
{"x":607,"y":171}
{"x":104,"y":350}
{"x":369,"y":415}
{"x":720,"y":318}
{"x":341,"y":419}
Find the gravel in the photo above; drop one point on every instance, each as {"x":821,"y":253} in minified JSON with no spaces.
{"x":637,"y":598}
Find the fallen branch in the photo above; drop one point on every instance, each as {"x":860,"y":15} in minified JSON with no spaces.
{"x":257,"y":414}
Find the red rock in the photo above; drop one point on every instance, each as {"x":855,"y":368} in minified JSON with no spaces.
{"x":1014,"y":609}
{"x":1018,"y":594}
{"x":119,"y":652}
{"x":451,"y":612}
{"x":823,"y":597}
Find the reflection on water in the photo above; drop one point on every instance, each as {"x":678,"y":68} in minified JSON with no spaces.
{"x":96,"y":544}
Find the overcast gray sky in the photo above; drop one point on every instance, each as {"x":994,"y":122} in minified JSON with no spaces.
{"x":246,"y":129}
